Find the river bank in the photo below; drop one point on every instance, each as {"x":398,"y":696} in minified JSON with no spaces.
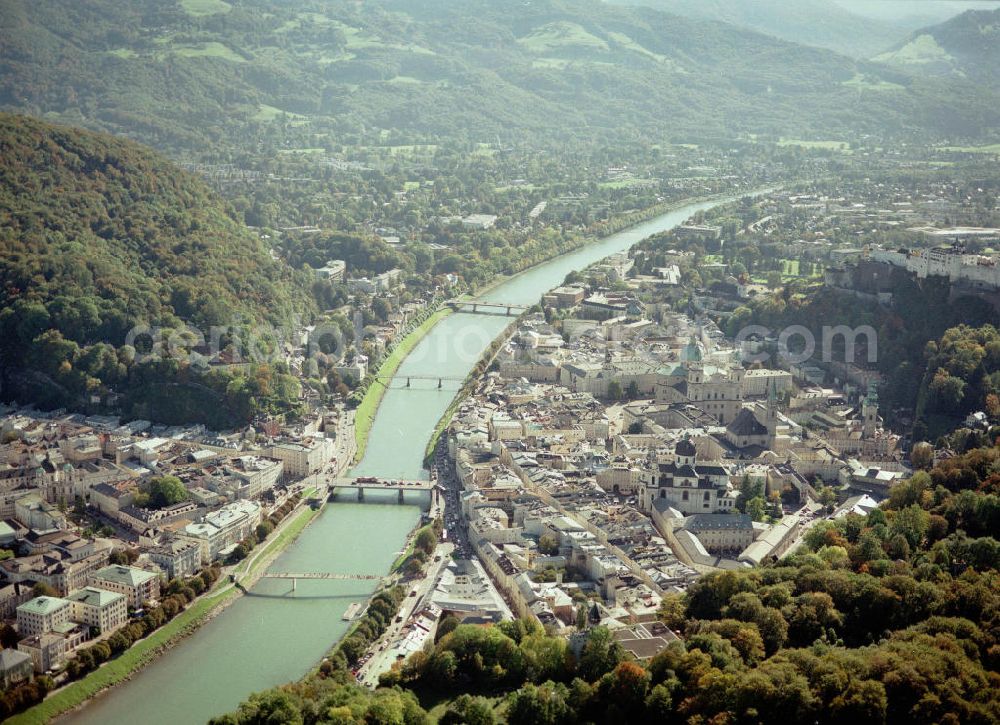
{"x":598,"y":232}
{"x":364,"y":414}
{"x":101,"y":681}
{"x":237,"y":650}
{"x":468,"y":384}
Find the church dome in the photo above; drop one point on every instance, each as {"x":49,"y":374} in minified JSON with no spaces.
{"x":685,"y":449}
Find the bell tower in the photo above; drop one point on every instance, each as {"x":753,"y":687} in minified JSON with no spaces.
{"x":869,"y":412}
{"x":771,"y":414}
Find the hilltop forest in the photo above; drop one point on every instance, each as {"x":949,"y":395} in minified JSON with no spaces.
{"x":99,"y":236}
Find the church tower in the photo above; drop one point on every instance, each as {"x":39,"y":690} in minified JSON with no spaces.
{"x":771,"y":414}
{"x":869,"y":412}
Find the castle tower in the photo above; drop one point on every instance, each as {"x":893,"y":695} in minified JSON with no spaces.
{"x":869,"y":412}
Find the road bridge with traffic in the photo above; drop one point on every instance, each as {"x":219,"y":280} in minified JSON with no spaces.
{"x":506,"y":309}
{"x":371,"y":483}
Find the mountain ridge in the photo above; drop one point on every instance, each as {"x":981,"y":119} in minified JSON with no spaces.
{"x":820,"y":23}
{"x":473,"y":71}
{"x":964,"y":47}
{"x":101,"y":238}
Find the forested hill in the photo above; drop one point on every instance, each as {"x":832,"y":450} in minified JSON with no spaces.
{"x":822,"y":23}
{"x":189,"y":73}
{"x":965,"y":47}
{"x":99,"y":234}
{"x":106,"y":233}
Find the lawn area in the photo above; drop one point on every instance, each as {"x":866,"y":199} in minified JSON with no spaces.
{"x":863,"y":82}
{"x":557,"y":63}
{"x":205,"y":7}
{"x":514,"y":187}
{"x":561,"y":34}
{"x":401,"y":150}
{"x":360,"y":39}
{"x":269,"y":113}
{"x":436,"y":705}
{"x":921,"y":50}
{"x":627,"y":42}
{"x":792,"y":268}
{"x":125,"y":53}
{"x":210,"y":49}
{"x":364,"y":416}
{"x":626,"y":183}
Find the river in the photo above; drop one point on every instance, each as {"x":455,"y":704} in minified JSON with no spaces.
{"x":271,"y":636}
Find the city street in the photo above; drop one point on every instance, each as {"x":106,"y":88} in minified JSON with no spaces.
{"x":382,"y":654}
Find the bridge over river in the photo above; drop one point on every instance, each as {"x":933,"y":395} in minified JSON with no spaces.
{"x":481,"y":307}
{"x":401,"y":380}
{"x":322,"y":575}
{"x":371,"y":483}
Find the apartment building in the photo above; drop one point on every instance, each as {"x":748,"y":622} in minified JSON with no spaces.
{"x":138,"y":585}
{"x":102,"y":610}
{"x":42,"y":614}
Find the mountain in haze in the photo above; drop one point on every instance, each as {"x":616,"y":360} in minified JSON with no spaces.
{"x":965,"y":47}
{"x":822,"y":23}
{"x":914,"y":15}
{"x":99,"y":235}
{"x":201,"y":75}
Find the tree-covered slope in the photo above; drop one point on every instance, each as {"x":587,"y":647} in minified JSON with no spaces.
{"x":822,"y":23}
{"x":124,"y":234}
{"x":965,"y":47}
{"x":99,"y":235}
{"x":185,"y":74}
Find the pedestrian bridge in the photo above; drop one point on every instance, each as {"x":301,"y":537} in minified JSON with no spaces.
{"x":406,"y":381}
{"x":320,"y":575}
